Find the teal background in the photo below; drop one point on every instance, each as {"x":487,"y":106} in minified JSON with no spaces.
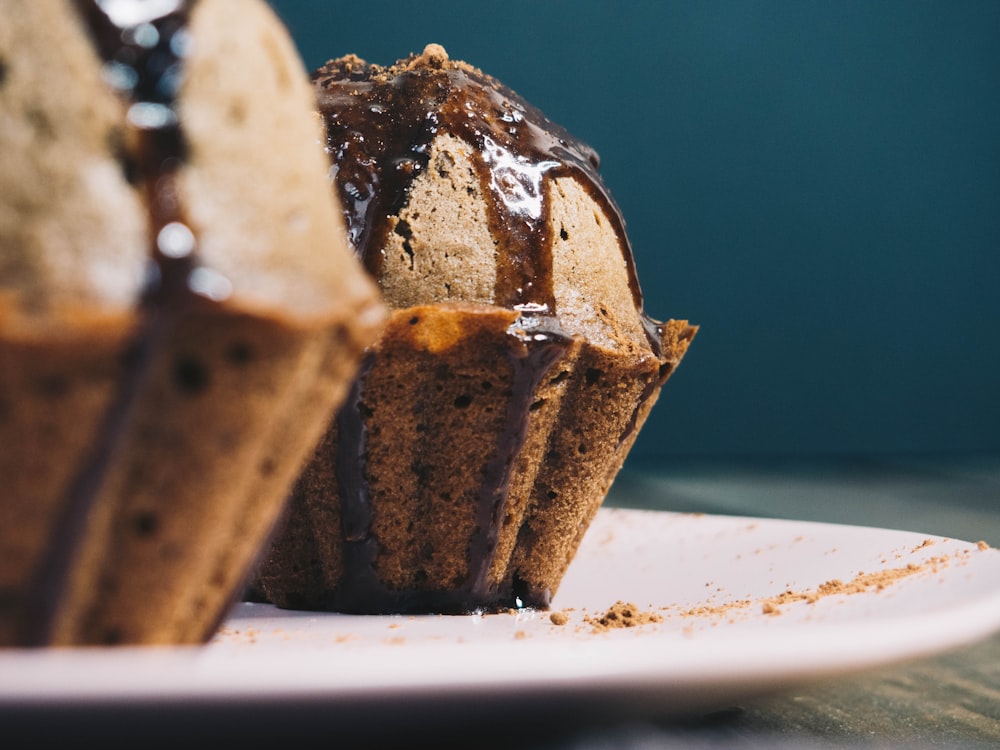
{"x":816,"y":184}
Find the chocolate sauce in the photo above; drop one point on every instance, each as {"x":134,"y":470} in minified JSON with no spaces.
{"x":542,"y":348}
{"x":142,"y":47}
{"x":360,"y":583}
{"x":380,"y":126}
{"x":531,"y":354}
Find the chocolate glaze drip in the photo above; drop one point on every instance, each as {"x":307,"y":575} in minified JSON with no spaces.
{"x":543,"y":347}
{"x":143,"y":55}
{"x":380,"y":125}
{"x":360,"y":550}
{"x":360,"y":589}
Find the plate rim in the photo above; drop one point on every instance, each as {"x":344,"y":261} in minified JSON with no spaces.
{"x":164,"y":674}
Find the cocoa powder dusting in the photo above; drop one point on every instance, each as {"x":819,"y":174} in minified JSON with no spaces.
{"x":861,"y":583}
{"x":622,"y":615}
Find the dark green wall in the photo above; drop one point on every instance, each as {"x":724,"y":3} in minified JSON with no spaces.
{"x":817,"y":184}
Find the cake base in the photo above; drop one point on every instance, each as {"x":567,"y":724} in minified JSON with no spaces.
{"x":465,"y":467}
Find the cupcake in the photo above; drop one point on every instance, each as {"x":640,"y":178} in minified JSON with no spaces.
{"x":180,"y":315}
{"x":515,"y":371}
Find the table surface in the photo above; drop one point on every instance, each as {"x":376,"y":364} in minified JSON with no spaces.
{"x":951,"y":700}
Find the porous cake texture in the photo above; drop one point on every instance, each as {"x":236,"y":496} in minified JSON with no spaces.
{"x":517,"y":367}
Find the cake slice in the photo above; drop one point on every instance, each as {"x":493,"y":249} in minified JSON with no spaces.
{"x":517,"y":366}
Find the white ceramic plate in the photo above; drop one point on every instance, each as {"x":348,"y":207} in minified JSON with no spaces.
{"x":731,"y":607}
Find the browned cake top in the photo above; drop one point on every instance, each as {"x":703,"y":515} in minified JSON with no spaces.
{"x":164,"y":139}
{"x":381,"y":122}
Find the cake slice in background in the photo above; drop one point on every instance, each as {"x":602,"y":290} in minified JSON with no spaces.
{"x":516,"y":369}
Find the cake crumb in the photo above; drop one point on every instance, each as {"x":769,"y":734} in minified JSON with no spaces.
{"x":520,"y":635}
{"x":982,"y":546}
{"x":622,"y":615}
{"x":559,"y":618}
{"x":433,"y":56}
{"x":770,"y":608}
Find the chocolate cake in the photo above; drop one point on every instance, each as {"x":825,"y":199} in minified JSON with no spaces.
{"x":179,"y":312}
{"x":516,"y":369}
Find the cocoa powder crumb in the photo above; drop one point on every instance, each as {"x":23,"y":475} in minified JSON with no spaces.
{"x":862,"y":582}
{"x":249,"y":635}
{"x":559,"y":618}
{"x":622,"y":615}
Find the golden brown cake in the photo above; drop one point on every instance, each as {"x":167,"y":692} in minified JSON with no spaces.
{"x":517,"y":367}
{"x":179,"y":313}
